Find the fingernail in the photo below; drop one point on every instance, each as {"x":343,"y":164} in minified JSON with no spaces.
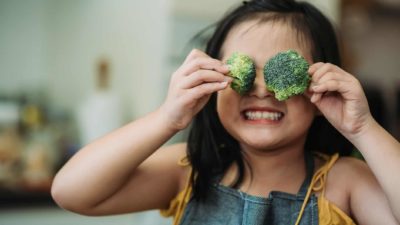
{"x":313,"y":98}
{"x":228,"y":79}
{"x":223,"y":84}
{"x":226,"y":67}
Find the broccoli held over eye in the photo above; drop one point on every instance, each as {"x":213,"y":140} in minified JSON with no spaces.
{"x":286,"y":74}
{"x":243,"y":72}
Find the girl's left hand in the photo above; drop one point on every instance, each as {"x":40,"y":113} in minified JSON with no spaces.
{"x":340,"y":98}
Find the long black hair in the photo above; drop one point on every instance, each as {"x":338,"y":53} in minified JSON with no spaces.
{"x":211,"y":149}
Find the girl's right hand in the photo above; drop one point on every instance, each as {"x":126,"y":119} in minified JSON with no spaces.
{"x":191,"y":87}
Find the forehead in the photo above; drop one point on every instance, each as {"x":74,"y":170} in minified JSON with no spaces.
{"x":263,"y":40}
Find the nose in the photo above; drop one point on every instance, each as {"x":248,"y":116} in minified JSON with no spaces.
{"x":259,"y":88}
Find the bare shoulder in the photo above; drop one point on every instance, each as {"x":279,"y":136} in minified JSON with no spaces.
{"x":353,"y":187}
{"x":345,"y":175}
{"x":364,"y":197}
{"x":348,"y":172}
{"x":351,"y":171}
{"x":168,"y":158}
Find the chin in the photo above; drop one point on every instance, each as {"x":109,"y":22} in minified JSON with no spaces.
{"x":260,"y":144}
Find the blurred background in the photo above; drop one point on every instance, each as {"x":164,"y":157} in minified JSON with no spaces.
{"x":70,"y":71}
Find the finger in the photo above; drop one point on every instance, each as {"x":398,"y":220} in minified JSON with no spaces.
{"x":316,"y":97}
{"x":326,"y":77}
{"x":203,"y":76}
{"x":332,"y":86}
{"x":333,"y":71}
{"x":321,"y":71}
{"x":195,"y":53}
{"x":314,"y":67}
{"x":206,"y":89}
{"x":203,"y":63}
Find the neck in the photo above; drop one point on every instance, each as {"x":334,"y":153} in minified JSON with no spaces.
{"x":274,"y":170}
{"x":263,"y":161}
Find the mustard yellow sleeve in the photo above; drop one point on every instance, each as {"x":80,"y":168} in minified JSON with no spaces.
{"x":178,"y":204}
{"x":330,"y":214}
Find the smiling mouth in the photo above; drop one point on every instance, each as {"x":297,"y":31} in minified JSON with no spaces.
{"x":263,"y":115}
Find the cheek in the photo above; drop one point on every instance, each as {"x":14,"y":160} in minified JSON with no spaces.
{"x":306,"y":110}
{"x":222,"y":100}
{"x":227,"y":103}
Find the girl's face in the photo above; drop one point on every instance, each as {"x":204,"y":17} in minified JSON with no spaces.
{"x":257,"y":120}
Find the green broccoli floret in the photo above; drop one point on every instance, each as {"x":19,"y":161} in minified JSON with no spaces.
{"x":243,"y":72}
{"x":286,"y":74}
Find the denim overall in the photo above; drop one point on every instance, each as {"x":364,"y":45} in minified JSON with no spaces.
{"x":228,"y":206}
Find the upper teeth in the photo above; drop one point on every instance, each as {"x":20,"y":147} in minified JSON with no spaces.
{"x":257,"y":115}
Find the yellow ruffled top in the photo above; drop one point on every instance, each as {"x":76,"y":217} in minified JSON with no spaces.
{"x":328,"y":213}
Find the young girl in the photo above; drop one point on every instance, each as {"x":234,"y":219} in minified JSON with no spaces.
{"x":250,"y":159}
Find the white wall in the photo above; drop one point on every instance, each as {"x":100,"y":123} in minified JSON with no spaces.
{"x":130,"y":33}
{"x":53,"y":45}
{"x":22,"y":45}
